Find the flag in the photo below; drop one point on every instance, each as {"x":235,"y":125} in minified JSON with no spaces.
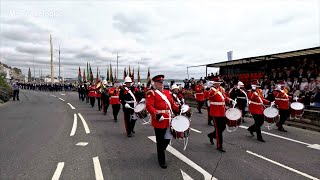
{"x":97,"y":79}
{"x":129,"y":74}
{"x":148,"y":78}
{"x":111,"y":75}
{"x":108,"y":79}
{"x":132,"y":75}
{"x":79,"y":76}
{"x":84,"y":75}
{"x":124,"y":73}
{"x":88,"y":73}
{"x":138,"y":73}
{"x":91,"y":75}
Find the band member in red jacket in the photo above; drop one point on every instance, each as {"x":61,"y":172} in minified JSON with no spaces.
{"x":256,"y":108}
{"x":207,"y":103}
{"x":217,"y":110}
{"x":92,"y":93}
{"x":282,"y":101}
{"x":114,"y":99}
{"x":160,"y":104}
{"x":199,"y":95}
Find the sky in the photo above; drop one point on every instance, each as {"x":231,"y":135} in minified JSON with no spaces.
{"x":167,"y":36}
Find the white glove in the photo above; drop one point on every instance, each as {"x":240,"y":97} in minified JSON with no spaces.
{"x":272,"y":103}
{"x":295,"y":98}
{"x":143,"y":100}
{"x":127,"y":106}
{"x":233,"y":102}
{"x":161,"y":119}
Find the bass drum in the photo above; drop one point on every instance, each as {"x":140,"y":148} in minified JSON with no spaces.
{"x":233,"y":119}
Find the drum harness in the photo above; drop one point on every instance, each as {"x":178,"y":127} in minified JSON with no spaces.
{"x":168,"y":134}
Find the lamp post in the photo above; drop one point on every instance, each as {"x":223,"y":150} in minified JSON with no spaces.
{"x":59,"y":62}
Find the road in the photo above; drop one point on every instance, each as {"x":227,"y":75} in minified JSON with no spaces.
{"x":39,"y":138}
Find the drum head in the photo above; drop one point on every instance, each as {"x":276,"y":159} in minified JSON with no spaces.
{"x":139,"y":107}
{"x":233,"y":114}
{"x":184,"y":108}
{"x":297,"y":106}
{"x":180,"y":123}
{"x":271,"y":112}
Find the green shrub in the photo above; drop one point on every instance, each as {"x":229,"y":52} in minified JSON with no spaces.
{"x":5,"y":90}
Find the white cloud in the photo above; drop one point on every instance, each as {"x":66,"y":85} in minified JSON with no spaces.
{"x":168,"y":36}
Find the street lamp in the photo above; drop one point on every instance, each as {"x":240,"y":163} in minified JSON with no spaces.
{"x":59,"y":62}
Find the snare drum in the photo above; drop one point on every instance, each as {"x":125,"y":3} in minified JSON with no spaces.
{"x":186,"y":111}
{"x":271,"y":115}
{"x":233,"y":118}
{"x":180,"y":127}
{"x":140,"y":111}
{"x":296,"y":109}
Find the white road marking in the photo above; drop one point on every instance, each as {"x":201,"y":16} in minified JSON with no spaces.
{"x":61,"y":99}
{"x":195,"y":130}
{"x":97,"y":168}
{"x":281,"y":137}
{"x":63,"y":94}
{"x":185,"y":176}
{"x":85,"y":125}
{"x":58,"y":171}
{"x":314,"y":146}
{"x":54,"y":96}
{"x":74,"y":127}
{"x":207,"y":176}
{"x":71,"y":106}
{"x":284,"y":166}
{"x":81,"y":144}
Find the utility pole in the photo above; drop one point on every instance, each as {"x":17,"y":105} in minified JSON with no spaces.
{"x":59,"y":64}
{"x":34,"y":71}
{"x":51,"y":59}
{"x":117,"y":65}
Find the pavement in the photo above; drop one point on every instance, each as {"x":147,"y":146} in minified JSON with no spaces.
{"x":39,"y":137}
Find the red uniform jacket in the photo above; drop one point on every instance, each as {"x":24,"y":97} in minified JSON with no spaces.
{"x":98,"y":94}
{"x":281,"y":99}
{"x":256,"y":103}
{"x":217,"y":103}
{"x":199,"y":93}
{"x":114,"y":96}
{"x":92,"y":91}
{"x":206,"y":94}
{"x":155,"y":104}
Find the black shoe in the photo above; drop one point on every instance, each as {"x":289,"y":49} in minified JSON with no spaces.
{"x":129,"y":135}
{"x":104,"y":113}
{"x":200,"y":112}
{"x":163,"y":166}
{"x":282,"y":130}
{"x":211,"y":139}
{"x":251,"y":132}
{"x":260,"y":139}
{"x":222,"y":150}
{"x":210,"y":124}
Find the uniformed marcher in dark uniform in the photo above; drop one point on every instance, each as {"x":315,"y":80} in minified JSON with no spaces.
{"x":128,"y":100}
{"x":105,"y":97}
{"x":240,"y":94}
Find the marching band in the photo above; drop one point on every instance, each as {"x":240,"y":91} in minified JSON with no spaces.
{"x":170,"y":116}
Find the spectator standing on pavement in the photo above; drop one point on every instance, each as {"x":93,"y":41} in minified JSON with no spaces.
{"x":15,"y":87}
